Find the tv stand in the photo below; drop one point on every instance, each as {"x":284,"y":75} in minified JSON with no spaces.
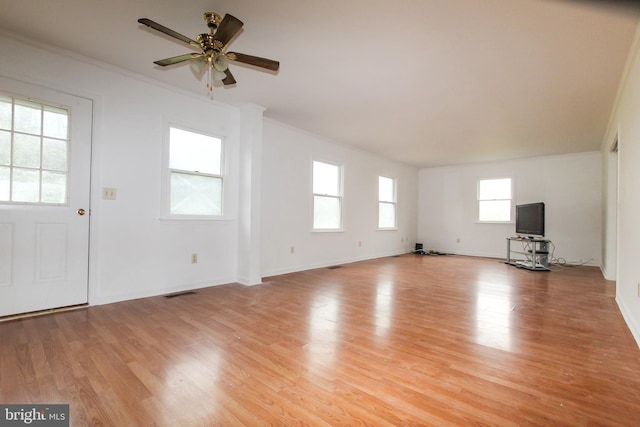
{"x":535,"y":251}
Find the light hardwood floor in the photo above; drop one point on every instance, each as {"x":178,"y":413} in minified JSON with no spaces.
{"x":409,"y":340}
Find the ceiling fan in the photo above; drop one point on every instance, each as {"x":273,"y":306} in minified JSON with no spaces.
{"x":213,"y":48}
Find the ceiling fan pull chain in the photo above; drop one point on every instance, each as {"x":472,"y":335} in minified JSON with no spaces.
{"x":210,"y":81}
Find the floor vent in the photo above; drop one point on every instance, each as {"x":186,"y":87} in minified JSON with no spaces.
{"x":180,"y":294}
{"x":333,"y":267}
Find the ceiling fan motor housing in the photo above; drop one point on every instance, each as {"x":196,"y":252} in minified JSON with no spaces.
{"x":212,"y":19}
{"x":207,"y":42}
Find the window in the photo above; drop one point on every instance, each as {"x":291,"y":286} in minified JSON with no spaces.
{"x":327,"y":197}
{"x":386,"y":202}
{"x":195,"y":174}
{"x":494,"y":200}
{"x":34,"y":151}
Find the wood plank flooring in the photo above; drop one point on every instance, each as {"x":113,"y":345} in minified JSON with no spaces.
{"x":399,"y":341}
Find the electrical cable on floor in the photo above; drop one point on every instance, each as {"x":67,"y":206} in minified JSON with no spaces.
{"x":555,"y":264}
{"x":561,"y":261}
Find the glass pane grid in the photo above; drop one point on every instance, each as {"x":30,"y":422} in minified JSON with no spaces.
{"x":34,"y":154}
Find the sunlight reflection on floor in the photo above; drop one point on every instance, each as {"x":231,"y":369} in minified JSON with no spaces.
{"x":493,"y":314}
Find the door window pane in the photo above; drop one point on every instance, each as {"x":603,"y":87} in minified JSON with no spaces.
{"x":6,"y":107}
{"x":55,"y":123}
{"x":26,"y":185}
{"x":5,"y":148}
{"x":4,"y":184}
{"x":26,"y":151}
{"x":28,"y":117}
{"x":54,"y":154}
{"x":34,"y":167}
{"x":54,"y":187}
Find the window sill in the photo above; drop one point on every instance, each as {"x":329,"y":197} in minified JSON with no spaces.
{"x":387,"y":229}
{"x":495,"y":222}
{"x":327,"y":230}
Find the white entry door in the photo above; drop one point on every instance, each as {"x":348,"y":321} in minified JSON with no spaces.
{"x":45,"y":158}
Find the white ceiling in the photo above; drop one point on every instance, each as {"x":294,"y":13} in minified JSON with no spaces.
{"x":425,"y":82}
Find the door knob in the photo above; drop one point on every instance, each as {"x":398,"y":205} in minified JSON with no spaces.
{"x":80,"y":211}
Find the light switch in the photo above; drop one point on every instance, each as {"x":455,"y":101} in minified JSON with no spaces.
{"x":108,"y":193}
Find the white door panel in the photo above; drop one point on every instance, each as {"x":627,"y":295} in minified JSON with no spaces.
{"x":44,"y":249}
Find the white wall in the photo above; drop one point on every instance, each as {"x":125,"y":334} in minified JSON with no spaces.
{"x":569,"y":185}
{"x":625,"y":123}
{"x":609,"y":210}
{"x":133,"y":252}
{"x":287,"y":204}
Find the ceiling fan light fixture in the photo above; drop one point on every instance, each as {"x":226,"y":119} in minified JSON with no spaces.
{"x":220,"y":62}
{"x":198,"y":68}
{"x":218,"y":75}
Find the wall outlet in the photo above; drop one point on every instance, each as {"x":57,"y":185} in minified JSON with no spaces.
{"x":194,"y":258}
{"x":639,"y":289}
{"x":359,"y":242}
{"x":458,"y":240}
{"x":293,"y":249}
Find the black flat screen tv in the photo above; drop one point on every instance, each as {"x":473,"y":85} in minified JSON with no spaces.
{"x":530,"y":219}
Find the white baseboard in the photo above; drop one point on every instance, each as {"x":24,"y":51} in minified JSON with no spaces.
{"x":304,"y":267}
{"x":109,"y":299}
{"x":633,"y":326}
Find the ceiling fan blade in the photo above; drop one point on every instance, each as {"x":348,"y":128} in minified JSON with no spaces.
{"x":177,"y":59}
{"x":269,"y":64}
{"x":229,"y":80}
{"x":151,"y":24}
{"x":228,"y":28}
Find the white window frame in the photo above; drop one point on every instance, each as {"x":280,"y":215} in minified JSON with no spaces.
{"x":339,"y":197}
{"x":166,"y":176}
{"x":39,"y":169}
{"x":394,"y":203}
{"x":510,"y":199}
